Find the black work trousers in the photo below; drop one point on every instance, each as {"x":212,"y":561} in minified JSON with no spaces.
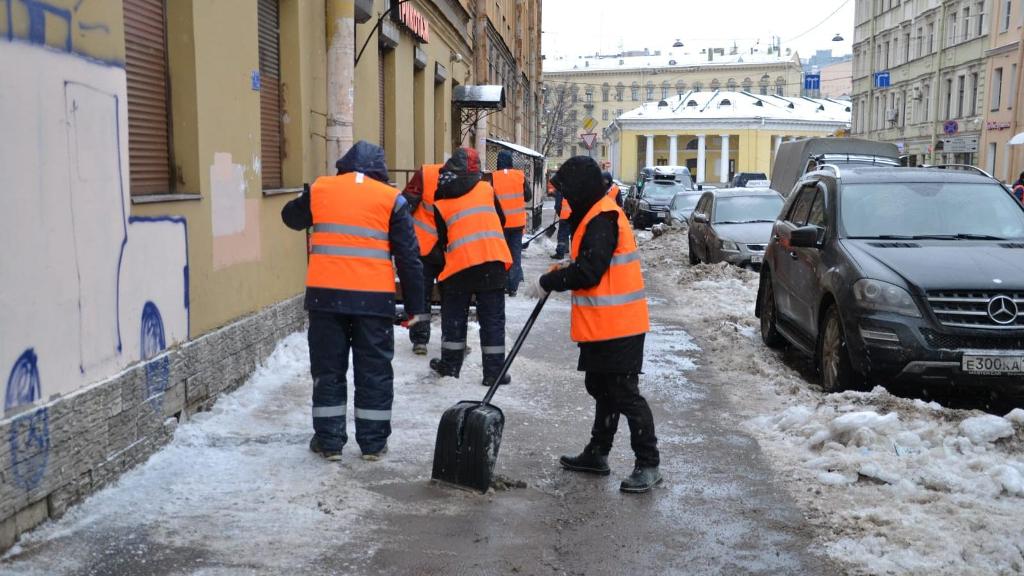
{"x":420,"y":333}
{"x":620,"y":394}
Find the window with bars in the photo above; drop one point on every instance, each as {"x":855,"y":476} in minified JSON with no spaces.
{"x":149,"y":134}
{"x":271,"y":149}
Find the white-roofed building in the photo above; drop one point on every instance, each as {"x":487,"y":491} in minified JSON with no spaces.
{"x":719,"y":133}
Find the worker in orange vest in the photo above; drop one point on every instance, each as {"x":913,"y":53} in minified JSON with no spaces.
{"x":474,"y":261}
{"x":419,"y":193}
{"x":564,"y":212}
{"x":609,"y":321}
{"x":513,"y":194}
{"x":359,"y":225}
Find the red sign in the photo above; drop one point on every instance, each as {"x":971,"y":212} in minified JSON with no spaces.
{"x":411,"y":19}
{"x":997,"y":125}
{"x":589,"y":139}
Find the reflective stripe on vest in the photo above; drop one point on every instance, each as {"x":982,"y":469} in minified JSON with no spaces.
{"x":617,"y":306}
{"x":423,"y":216}
{"x":474,"y":231}
{"x":566,"y":211}
{"x":508,"y":185}
{"x":349,"y":244}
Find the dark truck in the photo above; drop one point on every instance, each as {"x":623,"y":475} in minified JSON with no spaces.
{"x":799,"y":157}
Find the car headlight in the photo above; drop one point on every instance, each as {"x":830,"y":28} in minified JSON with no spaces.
{"x":729,"y":246}
{"x":644,"y":205}
{"x":884,"y":297}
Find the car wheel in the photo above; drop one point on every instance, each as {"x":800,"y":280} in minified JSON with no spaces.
{"x":637,"y":224}
{"x":769,"y":315}
{"x":694,"y":260}
{"x":834,"y":364}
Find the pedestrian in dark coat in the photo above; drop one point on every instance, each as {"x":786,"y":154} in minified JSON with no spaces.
{"x":485,"y":282}
{"x":612,"y":366}
{"x":1018,"y":188}
{"x":359,"y":225}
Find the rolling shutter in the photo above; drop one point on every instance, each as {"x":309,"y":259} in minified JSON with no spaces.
{"x":145,"y":42}
{"x":270,"y":93}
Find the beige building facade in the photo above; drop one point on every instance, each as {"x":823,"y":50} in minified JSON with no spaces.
{"x":602,"y":88}
{"x":1003,"y":118}
{"x":919,"y":76}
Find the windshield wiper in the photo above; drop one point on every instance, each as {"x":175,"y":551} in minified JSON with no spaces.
{"x":883,"y":237}
{"x":742,"y":221}
{"x":960,"y":236}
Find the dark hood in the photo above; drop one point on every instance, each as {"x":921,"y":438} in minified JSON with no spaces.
{"x":505,"y":160}
{"x":366,"y":158}
{"x":459,"y":174}
{"x":944,"y":264}
{"x":580,"y":183}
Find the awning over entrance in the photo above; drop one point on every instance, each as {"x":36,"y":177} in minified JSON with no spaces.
{"x":480,"y":97}
{"x":516,"y":148}
{"x":1017,"y":140}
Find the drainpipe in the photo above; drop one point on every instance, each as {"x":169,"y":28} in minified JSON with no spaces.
{"x":1014,"y":120}
{"x":480,"y":73}
{"x":871,"y":68}
{"x":937,"y":86}
{"x":341,"y":36}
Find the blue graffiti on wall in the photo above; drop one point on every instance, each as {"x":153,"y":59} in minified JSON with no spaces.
{"x":153,"y":343}
{"x":23,"y":383}
{"x":30,"y":447}
{"x":37,"y":12}
{"x":30,"y":433}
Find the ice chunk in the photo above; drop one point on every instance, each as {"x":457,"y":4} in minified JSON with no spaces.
{"x":834,"y":479}
{"x":986,"y":428}
{"x":1009,"y":478}
{"x":1016,"y":416}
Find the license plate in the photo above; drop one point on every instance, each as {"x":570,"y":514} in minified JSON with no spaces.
{"x":756,"y":258}
{"x":662,"y":214}
{"x":993,"y":364}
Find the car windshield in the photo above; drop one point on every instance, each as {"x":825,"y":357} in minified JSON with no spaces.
{"x":943,"y":210}
{"x":662,"y":190}
{"x":685,"y":201}
{"x":743,"y":209}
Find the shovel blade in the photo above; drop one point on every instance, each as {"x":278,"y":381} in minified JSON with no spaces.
{"x":468,"y":439}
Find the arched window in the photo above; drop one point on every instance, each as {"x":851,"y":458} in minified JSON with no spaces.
{"x":724,"y":102}
{"x":620,"y":91}
{"x":715,"y":84}
{"x":697,"y":87}
{"x":680,"y":87}
{"x":747,"y":84}
{"x":692,"y":144}
{"x":665,"y":88}
{"x":763,"y":84}
{"x":730,"y":85}
{"x":650,"y":90}
{"x":590,"y":94}
{"x":634,"y":90}
{"x":605,"y":89}
{"x":780,"y":86}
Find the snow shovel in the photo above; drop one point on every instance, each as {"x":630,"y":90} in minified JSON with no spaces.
{"x":469,"y":434}
{"x":551,"y":228}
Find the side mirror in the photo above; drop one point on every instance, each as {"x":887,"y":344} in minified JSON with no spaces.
{"x":700,"y":217}
{"x":804,"y":237}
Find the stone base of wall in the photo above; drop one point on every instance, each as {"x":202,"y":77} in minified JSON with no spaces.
{"x":54,"y":455}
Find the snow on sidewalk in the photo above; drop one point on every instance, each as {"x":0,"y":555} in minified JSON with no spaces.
{"x":893,"y":485}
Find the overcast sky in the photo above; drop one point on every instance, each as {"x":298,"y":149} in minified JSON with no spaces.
{"x":575,"y":27}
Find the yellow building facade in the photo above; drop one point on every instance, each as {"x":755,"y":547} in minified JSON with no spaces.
{"x":602,"y":88}
{"x":717,"y":134}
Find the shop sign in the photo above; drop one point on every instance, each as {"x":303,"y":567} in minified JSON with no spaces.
{"x":997,"y":125}
{"x":411,"y":19}
{"x":960,"y":144}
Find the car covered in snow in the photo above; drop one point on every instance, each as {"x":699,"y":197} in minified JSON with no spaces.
{"x":747,"y":179}
{"x":886,"y":275}
{"x":733,"y":225}
{"x":649,"y":204}
{"x":682,"y":206}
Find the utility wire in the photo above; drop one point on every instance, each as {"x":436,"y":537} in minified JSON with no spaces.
{"x":816,"y":26}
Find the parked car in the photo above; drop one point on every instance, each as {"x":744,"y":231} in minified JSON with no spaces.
{"x":652,"y":203}
{"x":733,"y":225}
{"x":682,"y":206}
{"x":899,"y":274}
{"x":742,"y":179}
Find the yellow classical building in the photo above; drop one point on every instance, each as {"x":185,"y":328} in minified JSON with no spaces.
{"x":717,"y":134}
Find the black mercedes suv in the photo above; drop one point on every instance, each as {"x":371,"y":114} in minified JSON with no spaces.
{"x":899,"y":274}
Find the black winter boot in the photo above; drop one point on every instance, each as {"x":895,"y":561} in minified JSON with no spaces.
{"x":442,"y":369}
{"x":641,"y":480}
{"x":506,"y":379}
{"x":590,"y":461}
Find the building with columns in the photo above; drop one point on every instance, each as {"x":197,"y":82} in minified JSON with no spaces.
{"x":605,"y":86}
{"x":717,"y":134}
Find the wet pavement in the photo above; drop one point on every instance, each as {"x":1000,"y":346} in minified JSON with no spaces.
{"x":238,"y":492}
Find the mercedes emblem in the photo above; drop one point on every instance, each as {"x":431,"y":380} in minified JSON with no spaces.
{"x":1003,"y":310}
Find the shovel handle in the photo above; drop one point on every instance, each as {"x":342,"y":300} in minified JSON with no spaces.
{"x":526,"y":243}
{"x":515,"y":348}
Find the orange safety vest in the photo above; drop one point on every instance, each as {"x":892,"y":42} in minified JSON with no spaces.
{"x":508,"y":185}
{"x":617,"y":306}
{"x":349,"y":247}
{"x":423,"y":217}
{"x":474,"y":231}
{"x":566,"y":210}
{"x":613,"y":192}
